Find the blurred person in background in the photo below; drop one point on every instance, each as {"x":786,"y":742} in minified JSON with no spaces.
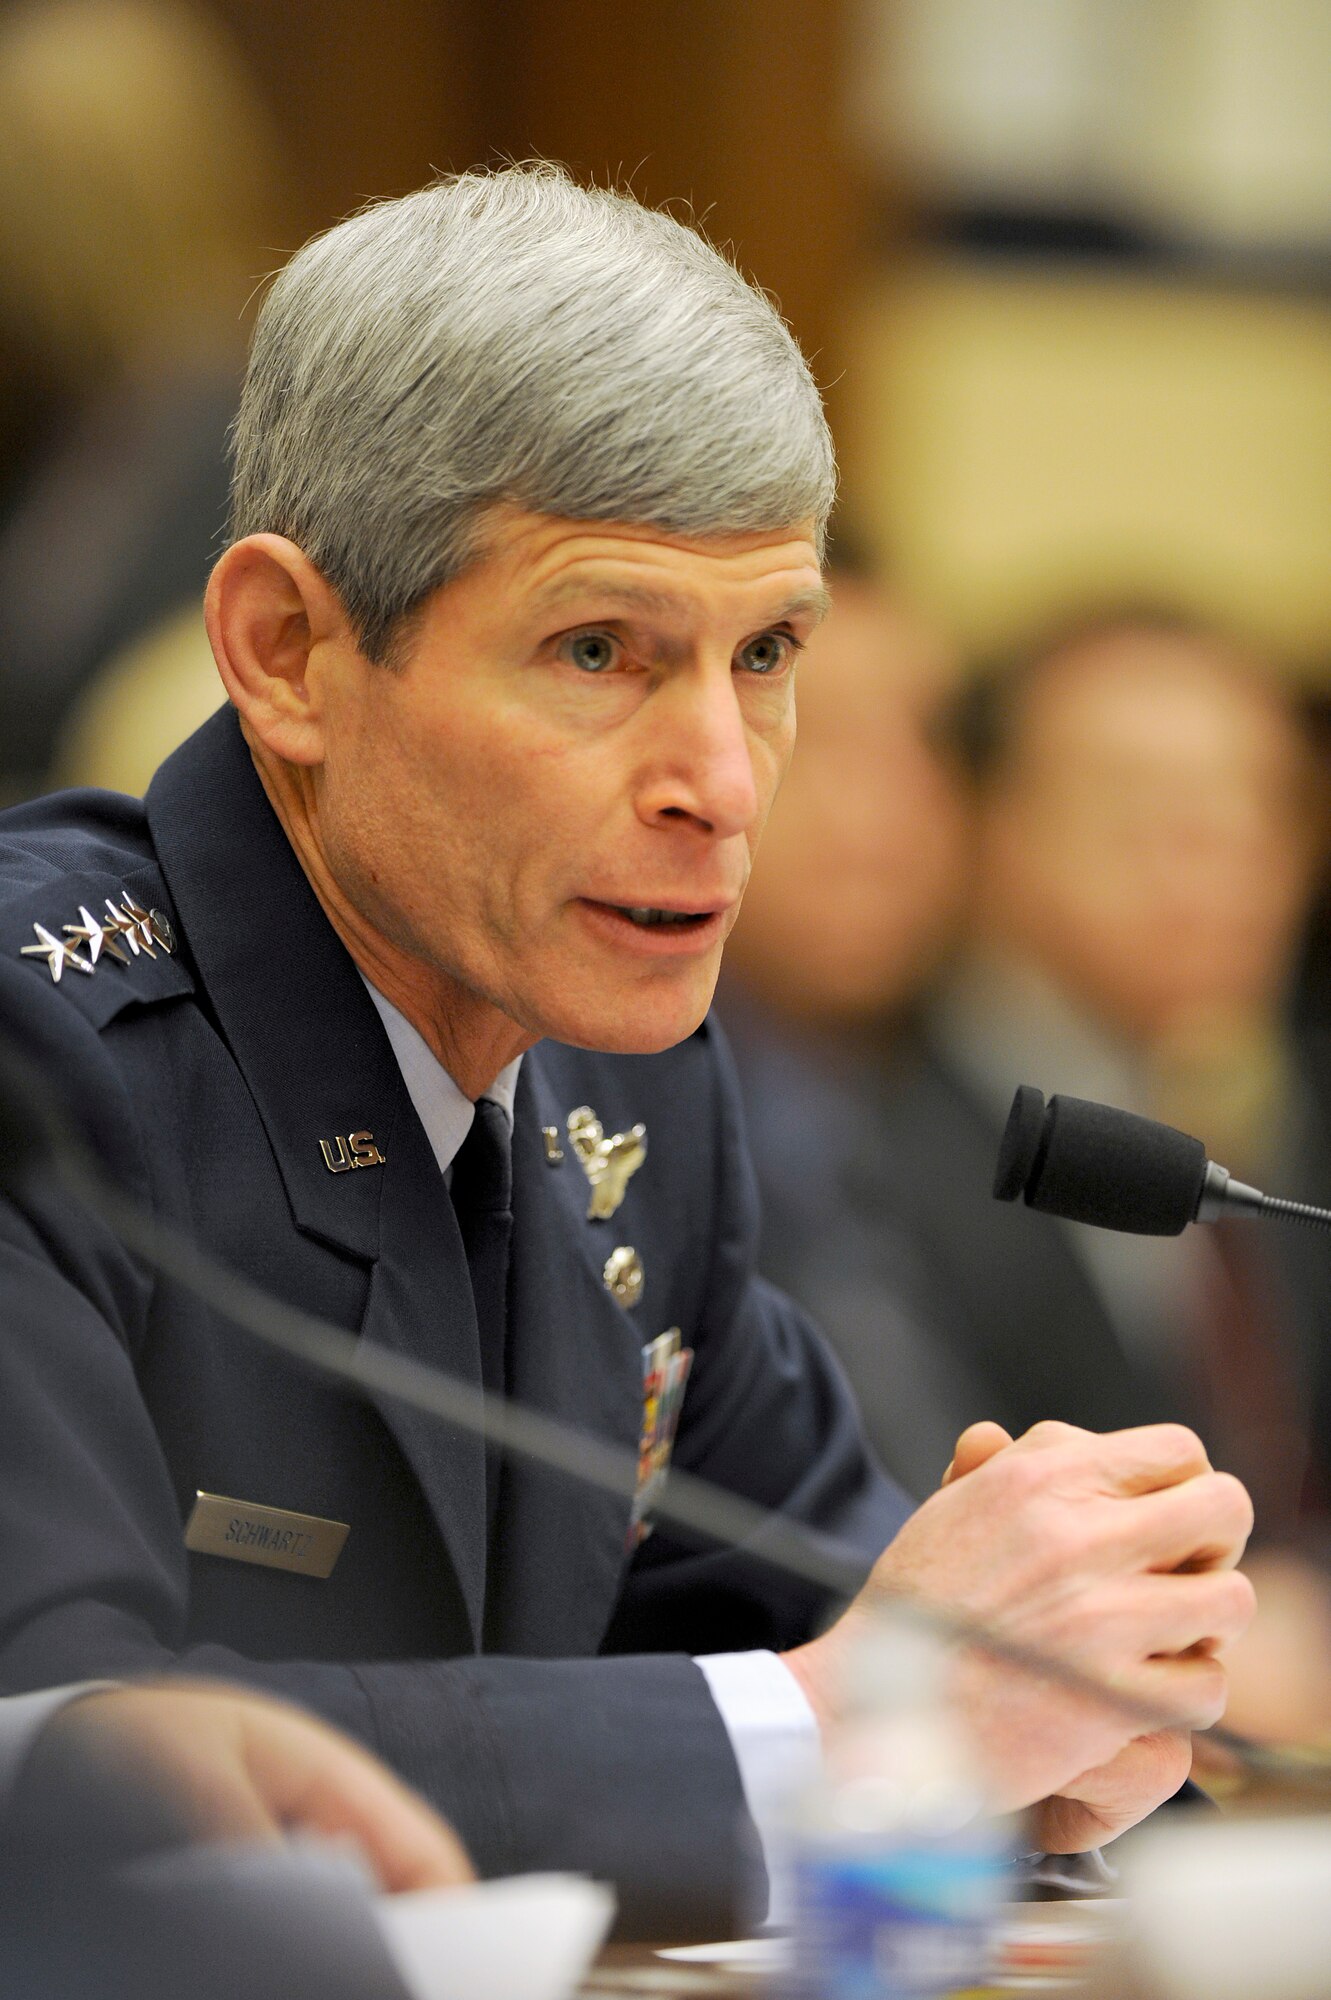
{"x":138,"y":708}
{"x":136,"y":174}
{"x":856,"y":897}
{"x":1147,"y":837}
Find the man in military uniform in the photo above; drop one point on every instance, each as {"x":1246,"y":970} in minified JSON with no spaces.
{"x":529,"y":496}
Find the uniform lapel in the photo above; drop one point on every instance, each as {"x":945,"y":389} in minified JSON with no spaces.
{"x":290,"y":1004}
{"x":560,"y":1554}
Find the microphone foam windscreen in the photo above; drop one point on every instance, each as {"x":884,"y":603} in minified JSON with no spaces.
{"x":1109,"y":1167}
{"x":1021,"y":1142}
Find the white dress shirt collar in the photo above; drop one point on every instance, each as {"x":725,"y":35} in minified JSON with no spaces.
{"x":443,"y":1110}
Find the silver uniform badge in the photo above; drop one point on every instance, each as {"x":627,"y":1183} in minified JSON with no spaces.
{"x":609,"y":1162}
{"x":142,"y":930}
{"x":623,"y":1276}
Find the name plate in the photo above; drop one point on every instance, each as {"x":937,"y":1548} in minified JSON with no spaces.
{"x":271,"y":1536}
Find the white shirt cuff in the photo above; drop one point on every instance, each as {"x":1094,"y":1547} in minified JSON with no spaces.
{"x":22,"y":1720}
{"x":774,"y":1734}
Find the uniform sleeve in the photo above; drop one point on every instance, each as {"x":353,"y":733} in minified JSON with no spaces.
{"x":774,"y":1734}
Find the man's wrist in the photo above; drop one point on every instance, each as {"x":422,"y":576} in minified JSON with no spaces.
{"x":819,"y":1664}
{"x":803,"y":1664}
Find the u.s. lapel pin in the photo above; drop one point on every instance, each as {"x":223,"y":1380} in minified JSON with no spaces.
{"x":357,"y":1149}
{"x":609,"y":1161}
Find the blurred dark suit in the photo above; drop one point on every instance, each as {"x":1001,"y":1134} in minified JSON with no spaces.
{"x":875,"y":1171}
{"x":945,"y":1306}
{"x":116,"y":526}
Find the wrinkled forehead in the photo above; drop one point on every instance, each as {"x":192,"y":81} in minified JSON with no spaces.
{"x":552,"y":561}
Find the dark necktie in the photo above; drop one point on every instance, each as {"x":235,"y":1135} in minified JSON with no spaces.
{"x":482,"y":1190}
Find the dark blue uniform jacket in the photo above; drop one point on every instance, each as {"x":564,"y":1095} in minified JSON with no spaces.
{"x":582,"y":1735}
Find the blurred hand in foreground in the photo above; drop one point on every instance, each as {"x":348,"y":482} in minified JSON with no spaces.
{"x":239,"y":1766}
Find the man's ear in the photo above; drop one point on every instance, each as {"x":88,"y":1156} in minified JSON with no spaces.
{"x":271,"y":619}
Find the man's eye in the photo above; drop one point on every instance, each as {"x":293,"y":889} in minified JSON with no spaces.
{"x":592,"y":652}
{"x":766,"y":654}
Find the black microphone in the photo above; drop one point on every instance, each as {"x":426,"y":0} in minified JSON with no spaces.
{"x":1094,"y":1163}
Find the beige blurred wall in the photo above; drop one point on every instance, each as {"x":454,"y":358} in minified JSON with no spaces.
{"x":1009,"y":437}
{"x":1015,"y":439}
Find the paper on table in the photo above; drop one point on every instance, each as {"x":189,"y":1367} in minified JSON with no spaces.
{"x":529,"y":1937}
{"x":756,"y":1954}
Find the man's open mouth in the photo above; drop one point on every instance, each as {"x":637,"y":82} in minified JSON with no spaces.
{"x":649,"y":918}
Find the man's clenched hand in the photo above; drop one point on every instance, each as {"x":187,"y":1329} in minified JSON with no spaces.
{"x":1115,"y":1554}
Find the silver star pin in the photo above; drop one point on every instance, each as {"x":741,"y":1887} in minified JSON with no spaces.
{"x":99,"y":938}
{"x":154,"y":925}
{"x":123,"y":926}
{"x":55,"y":951}
{"x":142,"y":923}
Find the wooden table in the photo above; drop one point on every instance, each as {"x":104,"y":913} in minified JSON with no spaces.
{"x":1043,"y":1946}
{"x":633,"y":1972}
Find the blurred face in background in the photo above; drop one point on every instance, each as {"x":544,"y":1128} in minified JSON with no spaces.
{"x":139,"y":172}
{"x":858,"y":881}
{"x":1151,"y":837}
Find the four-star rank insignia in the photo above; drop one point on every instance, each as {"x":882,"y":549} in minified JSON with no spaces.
{"x":125,"y":923}
{"x":609,"y":1161}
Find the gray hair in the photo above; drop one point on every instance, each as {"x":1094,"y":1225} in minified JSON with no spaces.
{"x":512,"y":336}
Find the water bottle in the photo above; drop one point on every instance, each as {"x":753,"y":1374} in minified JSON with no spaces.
{"x":896,"y":1871}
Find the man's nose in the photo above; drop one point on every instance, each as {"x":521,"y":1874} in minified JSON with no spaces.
{"x":700,"y":759}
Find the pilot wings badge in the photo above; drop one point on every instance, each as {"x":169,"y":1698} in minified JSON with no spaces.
{"x":609,"y":1162}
